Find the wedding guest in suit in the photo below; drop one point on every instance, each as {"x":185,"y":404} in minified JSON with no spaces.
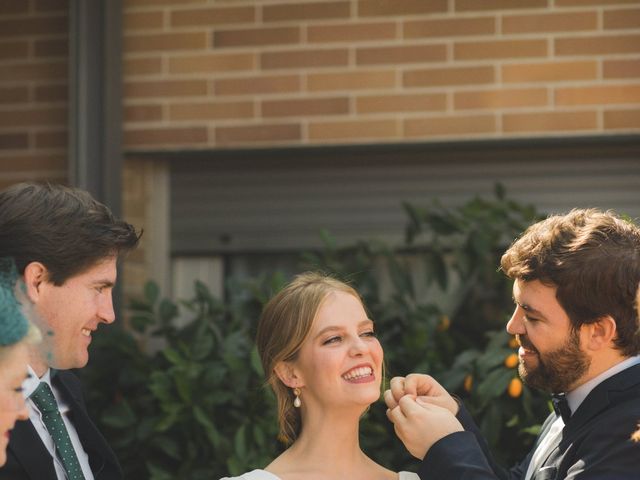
{"x":324,"y":363}
{"x":575,"y":279}
{"x":15,"y":332}
{"x":65,"y":245}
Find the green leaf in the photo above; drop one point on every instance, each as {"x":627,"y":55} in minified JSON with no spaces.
{"x":151,"y":292}
{"x":119,"y":416}
{"x":495,"y":384}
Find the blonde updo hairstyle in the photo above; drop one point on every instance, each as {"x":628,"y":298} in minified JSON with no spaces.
{"x":284,"y":325}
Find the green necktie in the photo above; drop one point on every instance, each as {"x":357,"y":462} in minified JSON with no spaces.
{"x":46,"y":403}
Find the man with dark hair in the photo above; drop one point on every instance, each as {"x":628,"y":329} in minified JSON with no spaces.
{"x":65,"y":245}
{"x":575,"y":281}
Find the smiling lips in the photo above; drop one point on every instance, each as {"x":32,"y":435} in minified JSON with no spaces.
{"x":363,"y":374}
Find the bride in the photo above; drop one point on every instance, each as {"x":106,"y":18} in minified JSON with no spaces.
{"x":324,"y":363}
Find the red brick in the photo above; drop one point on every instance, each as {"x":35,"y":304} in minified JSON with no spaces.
{"x":29,"y":162}
{"x":449,"y":125}
{"x":549,"y":121}
{"x":165,"y":136}
{"x":52,"y":93}
{"x":499,"y":49}
{"x":14,"y":94}
{"x":14,"y":141}
{"x":408,"y":102}
{"x":597,"y":3}
{"x":147,"y":20}
{"x":351,"y":81}
{"x":247,"y":134}
{"x":621,"y":68}
{"x":550,"y":22}
{"x":619,"y":119}
{"x":401,"y":54}
{"x":13,"y":7}
{"x":54,"y":139}
{"x":625,"y":18}
{"x":256,"y":85}
{"x":51,"y":48}
{"x":34,"y":26}
{"x":455,"y":27}
{"x":355,"y":129}
{"x":35,"y":117}
{"x":142,"y":113}
{"x":605,"y":95}
{"x":142,"y":66}
{"x":33,"y":71}
{"x":305,"y":107}
{"x":597,"y":45}
{"x":52,"y":6}
{"x":165,"y":42}
{"x":351,"y":32}
{"x":304,"y":58}
{"x":210,"y":110}
{"x":467,"y":5}
{"x":165,"y":88}
{"x":306,"y":11}
{"x":368,"y":8}
{"x":549,"y":72}
{"x":432,"y":77}
{"x":214,"y":16}
{"x":256,"y":37}
{"x":500,"y":98}
{"x":14,"y":50}
{"x":212,"y":62}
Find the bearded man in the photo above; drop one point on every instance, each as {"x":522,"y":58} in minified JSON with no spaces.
{"x":575,"y":281}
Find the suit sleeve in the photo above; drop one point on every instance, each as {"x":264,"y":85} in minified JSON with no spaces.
{"x":465,"y":456}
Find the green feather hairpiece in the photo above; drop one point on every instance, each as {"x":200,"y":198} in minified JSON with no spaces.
{"x":13,"y":324}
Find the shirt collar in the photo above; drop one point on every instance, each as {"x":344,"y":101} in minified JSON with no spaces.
{"x":32,"y":381}
{"x":577,"y":396}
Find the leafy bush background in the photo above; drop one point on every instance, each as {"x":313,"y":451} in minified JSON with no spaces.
{"x":197,"y":408}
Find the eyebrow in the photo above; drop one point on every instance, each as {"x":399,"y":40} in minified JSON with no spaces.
{"x":529,"y":309}
{"x":330,"y":328}
{"x":104,"y":283}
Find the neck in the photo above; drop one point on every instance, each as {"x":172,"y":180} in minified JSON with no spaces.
{"x":36,"y":362}
{"x":329,"y":443}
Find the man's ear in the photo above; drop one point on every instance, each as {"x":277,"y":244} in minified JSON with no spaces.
{"x":35,"y":274}
{"x":601,"y":333}
{"x":288,"y":375}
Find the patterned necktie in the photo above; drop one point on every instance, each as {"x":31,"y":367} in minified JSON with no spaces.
{"x":46,"y":403}
{"x":561,"y":406}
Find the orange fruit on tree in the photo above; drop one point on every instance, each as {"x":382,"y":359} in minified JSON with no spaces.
{"x":468,"y":383}
{"x":511,"y":361}
{"x":515,"y":388}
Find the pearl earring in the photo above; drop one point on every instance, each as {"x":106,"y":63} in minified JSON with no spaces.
{"x":296,"y":401}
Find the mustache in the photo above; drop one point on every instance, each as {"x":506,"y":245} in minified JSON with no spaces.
{"x":525,"y":343}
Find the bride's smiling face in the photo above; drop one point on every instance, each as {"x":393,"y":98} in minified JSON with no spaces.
{"x":340,"y":362}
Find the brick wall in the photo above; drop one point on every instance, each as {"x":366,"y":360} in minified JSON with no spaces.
{"x":33,"y":90}
{"x":208,"y":74}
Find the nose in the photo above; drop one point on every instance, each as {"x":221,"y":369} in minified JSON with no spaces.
{"x":105,"y":308}
{"x":358,"y":347}
{"x":515,"y":325}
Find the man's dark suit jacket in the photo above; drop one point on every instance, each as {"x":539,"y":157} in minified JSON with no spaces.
{"x":595,"y":442}
{"x":29,"y":459}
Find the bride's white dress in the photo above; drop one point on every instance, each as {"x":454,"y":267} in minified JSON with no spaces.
{"x":263,"y":475}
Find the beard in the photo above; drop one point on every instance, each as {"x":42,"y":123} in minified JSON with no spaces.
{"x":558,"y":370}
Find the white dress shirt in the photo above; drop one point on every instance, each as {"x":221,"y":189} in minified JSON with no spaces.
{"x":29,"y":386}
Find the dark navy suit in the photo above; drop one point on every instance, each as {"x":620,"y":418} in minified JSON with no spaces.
{"x":595,"y":443}
{"x":29,"y":459}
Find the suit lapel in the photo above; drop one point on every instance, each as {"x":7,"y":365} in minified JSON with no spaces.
{"x":25,"y":445}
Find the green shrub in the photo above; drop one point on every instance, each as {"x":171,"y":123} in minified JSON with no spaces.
{"x":197,"y":408}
